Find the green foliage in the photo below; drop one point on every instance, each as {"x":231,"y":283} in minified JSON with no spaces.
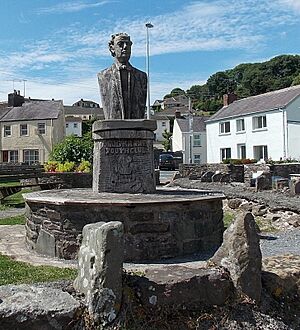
{"x":245,"y":80}
{"x":16,"y":200}
{"x":16,"y":220}
{"x":16,"y":272}
{"x":239,"y":161}
{"x":66,"y":167}
{"x":87,"y":126}
{"x":167,"y":140}
{"x":228,"y":219}
{"x":84,"y":167}
{"x":175,"y":92}
{"x":73,"y":149}
{"x":51,"y":166}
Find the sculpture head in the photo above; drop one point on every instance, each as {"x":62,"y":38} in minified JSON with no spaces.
{"x":120,"y":47}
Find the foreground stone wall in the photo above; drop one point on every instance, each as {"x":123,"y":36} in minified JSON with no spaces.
{"x":152,"y":231}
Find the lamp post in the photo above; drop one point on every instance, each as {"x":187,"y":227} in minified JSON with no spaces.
{"x":148,"y":26}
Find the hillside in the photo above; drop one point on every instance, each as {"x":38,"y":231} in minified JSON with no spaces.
{"x":245,"y":80}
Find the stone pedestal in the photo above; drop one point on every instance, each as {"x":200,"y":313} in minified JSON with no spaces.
{"x":123,"y":156}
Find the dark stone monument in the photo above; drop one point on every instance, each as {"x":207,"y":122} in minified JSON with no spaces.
{"x":123,"y":151}
{"x":123,"y":88}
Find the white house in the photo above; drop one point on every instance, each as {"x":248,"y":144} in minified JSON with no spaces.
{"x":189,"y":136}
{"x":163,"y":123}
{"x":73,"y":126}
{"x":258,"y":127}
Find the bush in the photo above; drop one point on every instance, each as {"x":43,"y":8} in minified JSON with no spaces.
{"x":239,"y":161}
{"x":84,"y":167}
{"x":73,"y":149}
{"x":66,"y":167}
{"x":51,"y":166}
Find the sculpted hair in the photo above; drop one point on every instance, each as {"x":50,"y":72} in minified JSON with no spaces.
{"x":112,"y":40}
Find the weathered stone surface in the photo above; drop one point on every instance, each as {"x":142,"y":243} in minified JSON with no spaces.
{"x":166,"y":224}
{"x":182,"y":287}
{"x":240,"y":254}
{"x":123,"y":88}
{"x":259,"y":210}
{"x":123,"y":156}
{"x":294,"y":220}
{"x":100,"y":269}
{"x":45,"y":243}
{"x":281,"y":276}
{"x":234,"y":203}
{"x":263,"y":181}
{"x":206,"y":177}
{"x":36,"y":308}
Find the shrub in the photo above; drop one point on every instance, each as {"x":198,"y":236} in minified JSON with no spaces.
{"x":84,"y":167}
{"x":66,"y":167}
{"x":51,"y":166}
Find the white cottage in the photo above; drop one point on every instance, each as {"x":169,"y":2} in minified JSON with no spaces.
{"x":189,"y":136}
{"x":258,"y":127}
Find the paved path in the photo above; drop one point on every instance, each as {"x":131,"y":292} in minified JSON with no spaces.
{"x":12,"y":243}
{"x":11,"y":212}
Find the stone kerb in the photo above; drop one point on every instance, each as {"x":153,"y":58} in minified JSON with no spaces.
{"x":123,"y":156}
{"x":100,"y":269}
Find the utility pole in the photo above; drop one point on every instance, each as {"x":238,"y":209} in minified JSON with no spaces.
{"x":148,"y":26}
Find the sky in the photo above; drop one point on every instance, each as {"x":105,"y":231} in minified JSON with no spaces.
{"x":56,"y":47}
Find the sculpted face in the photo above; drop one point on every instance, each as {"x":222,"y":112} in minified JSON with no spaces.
{"x":122,"y":49}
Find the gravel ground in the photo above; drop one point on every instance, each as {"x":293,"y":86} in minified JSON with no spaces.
{"x":272,"y":244}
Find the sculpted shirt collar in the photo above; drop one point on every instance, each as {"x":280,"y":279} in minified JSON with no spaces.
{"x":120,"y":66}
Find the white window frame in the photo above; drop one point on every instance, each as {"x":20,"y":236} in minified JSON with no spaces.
{"x":31,"y":156}
{"x":263,"y":151}
{"x":240,"y":152}
{"x":240,"y":125}
{"x":41,"y":128}
{"x":224,"y":127}
{"x":197,"y":140}
{"x":6,"y":130}
{"x":259,"y":123}
{"x":23,"y":130}
{"x":224,"y":153}
{"x":197,"y":159}
{"x":13,"y":156}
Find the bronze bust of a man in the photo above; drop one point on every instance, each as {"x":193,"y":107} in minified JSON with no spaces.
{"x":123,"y":88}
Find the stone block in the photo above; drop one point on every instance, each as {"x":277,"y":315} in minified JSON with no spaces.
{"x":123,"y":156}
{"x":263,"y":181}
{"x":100,"y":269}
{"x":240,"y":254}
{"x":181,"y":287}
{"x":36,"y":307}
{"x":145,"y":227}
{"x":46,"y":243}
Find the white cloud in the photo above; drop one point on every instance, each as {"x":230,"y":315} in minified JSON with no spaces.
{"x":293,"y":4}
{"x":69,"y":7}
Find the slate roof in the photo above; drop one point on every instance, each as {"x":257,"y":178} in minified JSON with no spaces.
{"x":198,"y":124}
{"x":73,"y":119}
{"x":33,"y":110}
{"x":259,"y":103}
{"x":170,"y":112}
{"x":82,"y":111}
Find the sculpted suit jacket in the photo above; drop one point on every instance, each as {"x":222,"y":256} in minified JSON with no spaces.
{"x":111,"y":93}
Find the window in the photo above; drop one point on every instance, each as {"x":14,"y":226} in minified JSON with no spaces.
{"x":225,"y":153}
{"x":30,"y":156}
{"x":197,"y":140}
{"x":197,"y":159}
{"x":41,"y":128}
{"x":259,"y":122}
{"x":225,"y":127}
{"x":75,"y":125}
{"x":241,"y":151}
{"x":163,"y":124}
{"x":240,"y":125}
{"x":260,"y":152}
{"x":23,"y":129}
{"x":67,"y":125}
{"x":13,"y":156}
{"x":7,"y":130}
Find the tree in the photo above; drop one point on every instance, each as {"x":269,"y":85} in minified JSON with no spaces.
{"x":296,"y":80}
{"x":167,"y":142}
{"x":74,"y":149}
{"x":175,"y":92}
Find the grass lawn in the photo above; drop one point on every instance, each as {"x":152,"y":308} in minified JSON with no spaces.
{"x":16,"y":220}
{"x":15,"y":200}
{"x":16,"y":272}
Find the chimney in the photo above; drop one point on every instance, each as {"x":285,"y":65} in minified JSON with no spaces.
{"x":15,"y":99}
{"x":177,"y":114}
{"x":228,"y":99}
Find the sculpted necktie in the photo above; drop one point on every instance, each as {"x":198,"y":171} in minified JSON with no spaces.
{"x":125,"y":75}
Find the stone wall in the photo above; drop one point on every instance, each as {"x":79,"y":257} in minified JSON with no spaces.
{"x":284,"y":170}
{"x":152,"y":231}
{"x":205,"y":172}
{"x":67,"y":180}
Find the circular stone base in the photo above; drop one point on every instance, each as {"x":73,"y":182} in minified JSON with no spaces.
{"x":170,"y":223}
